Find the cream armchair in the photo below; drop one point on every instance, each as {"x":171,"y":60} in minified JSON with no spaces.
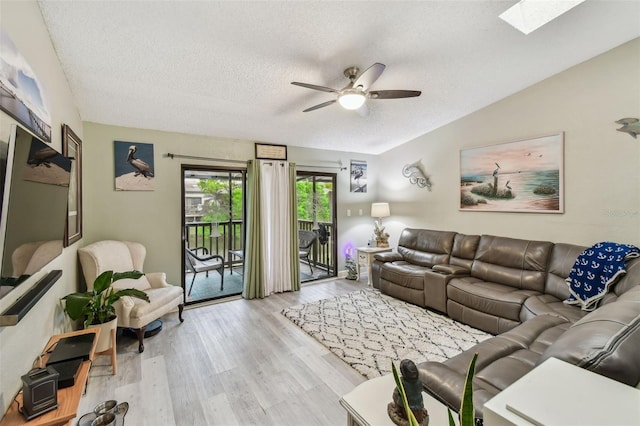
{"x":122,"y":256}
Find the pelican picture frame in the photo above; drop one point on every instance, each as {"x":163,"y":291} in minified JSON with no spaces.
{"x":134,"y":166}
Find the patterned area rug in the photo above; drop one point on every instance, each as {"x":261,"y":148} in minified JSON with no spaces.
{"x":369,"y":330}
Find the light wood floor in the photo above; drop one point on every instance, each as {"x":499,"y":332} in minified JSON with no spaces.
{"x":233,"y":363}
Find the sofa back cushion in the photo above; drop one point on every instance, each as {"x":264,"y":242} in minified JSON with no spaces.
{"x":517,"y":263}
{"x":464,"y":250}
{"x":425,"y":247}
{"x":563,"y":256}
{"x":628,"y":281}
{"x":605,"y":341}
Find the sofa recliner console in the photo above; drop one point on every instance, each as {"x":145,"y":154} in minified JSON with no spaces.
{"x":514,"y":289}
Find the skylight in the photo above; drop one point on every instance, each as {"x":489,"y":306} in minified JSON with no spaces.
{"x":529,"y":15}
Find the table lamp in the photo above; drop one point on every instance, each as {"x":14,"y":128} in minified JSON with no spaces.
{"x":380,"y":210}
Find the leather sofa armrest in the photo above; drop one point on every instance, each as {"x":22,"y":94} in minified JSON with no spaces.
{"x":451,"y":269}
{"x":388,"y":257}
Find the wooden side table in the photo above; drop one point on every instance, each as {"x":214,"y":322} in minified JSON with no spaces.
{"x":365,"y":258}
{"x":366,"y":405}
{"x":68,"y":398}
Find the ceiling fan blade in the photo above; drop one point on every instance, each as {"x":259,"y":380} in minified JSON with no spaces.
{"x":369,"y":76}
{"x":393,"y":94}
{"x":314,"y":87}
{"x":322,"y":105}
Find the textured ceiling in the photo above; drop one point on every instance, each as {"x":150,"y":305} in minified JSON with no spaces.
{"x":224,"y":68}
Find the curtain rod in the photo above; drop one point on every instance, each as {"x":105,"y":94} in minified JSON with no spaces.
{"x":195,"y":157}
{"x":340,"y":167}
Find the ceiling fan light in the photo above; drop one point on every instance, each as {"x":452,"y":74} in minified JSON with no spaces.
{"x":351,"y":100}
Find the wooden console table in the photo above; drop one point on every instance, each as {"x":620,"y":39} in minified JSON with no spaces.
{"x":68,"y":398}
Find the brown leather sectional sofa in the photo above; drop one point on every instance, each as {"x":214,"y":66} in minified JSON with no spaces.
{"x":513,"y":289}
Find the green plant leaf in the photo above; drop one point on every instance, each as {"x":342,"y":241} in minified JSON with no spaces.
{"x":451,"y":421}
{"x":75,"y":304}
{"x":97,"y":306}
{"x":134,"y":275}
{"x":103,"y":282}
{"x":412,"y":419}
{"x":128,"y":292}
{"x":467,"y":411}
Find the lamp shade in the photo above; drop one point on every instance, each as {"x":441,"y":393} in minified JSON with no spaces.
{"x":351,"y":99}
{"x":380,"y":210}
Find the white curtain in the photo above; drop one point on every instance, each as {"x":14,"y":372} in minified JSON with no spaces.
{"x":276,"y":226}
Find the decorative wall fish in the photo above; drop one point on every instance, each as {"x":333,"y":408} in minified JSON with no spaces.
{"x":629,"y":125}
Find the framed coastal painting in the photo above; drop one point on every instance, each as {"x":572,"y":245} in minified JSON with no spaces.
{"x":520,"y":176}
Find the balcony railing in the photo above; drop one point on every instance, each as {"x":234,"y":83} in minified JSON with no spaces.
{"x":222,"y":237}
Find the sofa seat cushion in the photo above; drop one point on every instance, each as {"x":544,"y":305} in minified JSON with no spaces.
{"x":501,"y":361}
{"x":488,"y":297}
{"x":404,"y":274}
{"x":546,"y":304}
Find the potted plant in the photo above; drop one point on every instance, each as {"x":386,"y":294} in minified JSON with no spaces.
{"x":96,"y":306}
{"x":466,"y":416}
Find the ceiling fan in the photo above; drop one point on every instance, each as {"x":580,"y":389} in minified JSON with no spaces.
{"x":354,"y":94}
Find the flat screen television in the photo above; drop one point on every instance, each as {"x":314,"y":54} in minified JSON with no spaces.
{"x":35,"y":191}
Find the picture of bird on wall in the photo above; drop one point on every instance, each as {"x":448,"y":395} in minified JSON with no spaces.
{"x":134,"y":167}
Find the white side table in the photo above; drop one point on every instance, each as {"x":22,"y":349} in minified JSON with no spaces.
{"x":559,"y":393}
{"x":365,"y":258}
{"x":366,"y":405}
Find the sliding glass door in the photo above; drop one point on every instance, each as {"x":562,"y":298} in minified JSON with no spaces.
{"x":317,"y":221}
{"x":213,"y":232}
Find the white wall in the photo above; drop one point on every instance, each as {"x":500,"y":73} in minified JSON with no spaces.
{"x":602,"y":165}
{"x":21,"y":344}
{"x":154,"y":217}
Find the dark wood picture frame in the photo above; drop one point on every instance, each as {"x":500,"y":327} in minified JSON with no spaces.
{"x":72,"y":148}
{"x":266,"y":151}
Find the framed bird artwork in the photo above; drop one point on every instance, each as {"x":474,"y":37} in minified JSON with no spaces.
{"x":520,"y":176}
{"x":134,"y":166}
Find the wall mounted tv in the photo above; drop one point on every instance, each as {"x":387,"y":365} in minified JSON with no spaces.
{"x":35,"y":187}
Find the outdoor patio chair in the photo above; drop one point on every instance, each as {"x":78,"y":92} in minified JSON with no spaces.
{"x":306,"y":239}
{"x":205,"y":263}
